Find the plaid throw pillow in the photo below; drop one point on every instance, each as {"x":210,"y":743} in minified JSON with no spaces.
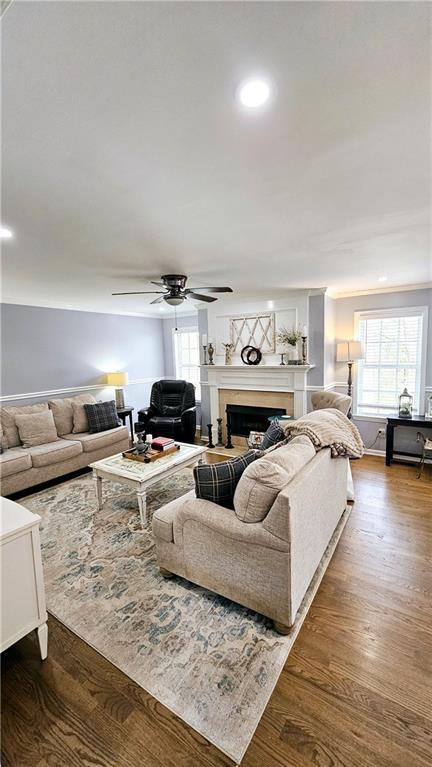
{"x":217,"y":481}
{"x":102,"y":416}
{"x":273,"y":435}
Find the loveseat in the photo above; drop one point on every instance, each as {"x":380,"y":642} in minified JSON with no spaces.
{"x":263,"y":558}
{"x":22,"y":467}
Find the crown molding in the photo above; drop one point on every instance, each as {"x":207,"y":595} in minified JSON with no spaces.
{"x":154,"y":315}
{"x":378,"y":291}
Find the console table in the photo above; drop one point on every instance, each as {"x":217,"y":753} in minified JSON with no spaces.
{"x":418,"y":422}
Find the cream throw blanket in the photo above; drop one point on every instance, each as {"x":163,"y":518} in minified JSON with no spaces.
{"x":329,"y":428}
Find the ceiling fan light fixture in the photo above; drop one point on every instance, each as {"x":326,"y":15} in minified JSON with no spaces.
{"x":174,"y":300}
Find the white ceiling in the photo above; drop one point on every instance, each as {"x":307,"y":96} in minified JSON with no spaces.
{"x":126,"y":156}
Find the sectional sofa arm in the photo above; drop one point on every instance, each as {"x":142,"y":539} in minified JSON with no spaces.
{"x":210,"y":518}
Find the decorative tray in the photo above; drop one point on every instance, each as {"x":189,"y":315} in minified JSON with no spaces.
{"x":150,"y":455}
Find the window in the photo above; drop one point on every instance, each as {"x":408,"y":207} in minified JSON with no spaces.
{"x":394,"y":343}
{"x":187,"y":358}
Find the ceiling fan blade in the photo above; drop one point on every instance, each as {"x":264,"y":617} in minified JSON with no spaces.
{"x":158,"y":299}
{"x":161,"y":284}
{"x":197,"y":297}
{"x":210,"y":290}
{"x":138,"y":293}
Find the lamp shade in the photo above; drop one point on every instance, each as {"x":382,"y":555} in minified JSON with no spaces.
{"x":349,"y":351}
{"x":119,"y":378}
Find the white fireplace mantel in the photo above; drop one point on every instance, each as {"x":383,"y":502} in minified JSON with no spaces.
{"x":279,"y":378}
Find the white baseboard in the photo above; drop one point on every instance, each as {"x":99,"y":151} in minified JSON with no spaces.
{"x":409,"y":458}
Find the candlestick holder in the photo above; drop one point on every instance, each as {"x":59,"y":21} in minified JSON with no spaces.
{"x":205,"y":355}
{"x":210,"y":435}
{"x":282,"y":360}
{"x":219,"y":443}
{"x":304,"y":350}
{"x":229,"y":445}
{"x":211,"y":352}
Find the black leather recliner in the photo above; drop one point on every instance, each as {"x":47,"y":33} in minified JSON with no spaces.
{"x":172,"y":411}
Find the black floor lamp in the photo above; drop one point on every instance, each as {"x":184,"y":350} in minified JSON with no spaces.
{"x":349,"y":352}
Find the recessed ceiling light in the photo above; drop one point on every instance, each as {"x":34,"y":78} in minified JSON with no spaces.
{"x":5,"y":233}
{"x":254,"y":92}
{"x":382,"y":279}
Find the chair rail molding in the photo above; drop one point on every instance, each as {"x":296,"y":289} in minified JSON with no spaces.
{"x":70,"y":390}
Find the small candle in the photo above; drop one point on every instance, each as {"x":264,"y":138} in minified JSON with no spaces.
{"x":304,"y":331}
{"x":149,"y":438}
{"x":204,"y":339}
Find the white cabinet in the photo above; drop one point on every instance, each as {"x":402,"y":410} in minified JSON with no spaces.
{"x":22,"y":587}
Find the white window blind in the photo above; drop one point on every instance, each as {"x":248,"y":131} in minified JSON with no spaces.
{"x":393,"y":359}
{"x":186,"y":356}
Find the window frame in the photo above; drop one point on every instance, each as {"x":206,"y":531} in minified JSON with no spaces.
{"x":179,"y":332}
{"x":416,"y":311}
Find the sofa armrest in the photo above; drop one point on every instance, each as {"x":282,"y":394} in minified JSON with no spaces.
{"x":196,"y":512}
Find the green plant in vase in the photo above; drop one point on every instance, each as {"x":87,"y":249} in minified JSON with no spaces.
{"x":289,"y":338}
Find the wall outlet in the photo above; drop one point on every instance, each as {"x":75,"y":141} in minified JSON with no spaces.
{"x":381,"y":432}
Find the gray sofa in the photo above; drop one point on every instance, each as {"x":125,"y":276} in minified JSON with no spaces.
{"x":21,"y":467}
{"x":265,"y":565}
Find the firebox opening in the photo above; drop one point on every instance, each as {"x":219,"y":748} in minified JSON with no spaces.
{"x":244,"y":418}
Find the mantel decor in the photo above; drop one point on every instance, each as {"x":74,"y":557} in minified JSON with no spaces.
{"x":250,"y":355}
{"x":256,"y":330}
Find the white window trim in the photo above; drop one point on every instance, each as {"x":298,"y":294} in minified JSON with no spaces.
{"x":174,"y":332}
{"x":396,"y":312}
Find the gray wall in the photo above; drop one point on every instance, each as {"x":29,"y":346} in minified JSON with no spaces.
{"x":345,"y":307}
{"x":316,"y":324}
{"x":45,"y":349}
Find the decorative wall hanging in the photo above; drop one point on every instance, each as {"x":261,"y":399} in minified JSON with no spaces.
{"x":250,"y":355}
{"x":256,"y":330}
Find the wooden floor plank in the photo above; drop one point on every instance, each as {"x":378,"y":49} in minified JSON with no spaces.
{"x":355,"y":691}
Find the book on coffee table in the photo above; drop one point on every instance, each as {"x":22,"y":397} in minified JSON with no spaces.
{"x":162,"y":443}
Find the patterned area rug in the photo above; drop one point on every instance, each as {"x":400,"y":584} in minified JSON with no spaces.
{"x":210,"y":661}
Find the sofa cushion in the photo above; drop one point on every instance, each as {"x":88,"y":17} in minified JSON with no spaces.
{"x":273,"y":435}
{"x":98,"y":441}
{"x":36,"y":428}
{"x":7,"y":416}
{"x":80,"y":420}
{"x":13,"y":461}
{"x":54,"y":452}
{"x":217,"y":482}
{"x":102,"y":416}
{"x":63,"y":412}
{"x":262,"y":481}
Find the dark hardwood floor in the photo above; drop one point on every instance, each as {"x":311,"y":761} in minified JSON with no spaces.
{"x":356,"y":690}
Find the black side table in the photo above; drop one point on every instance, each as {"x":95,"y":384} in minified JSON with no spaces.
{"x":418,"y":422}
{"x":125,"y":412}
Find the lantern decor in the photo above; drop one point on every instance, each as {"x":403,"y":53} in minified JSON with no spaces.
{"x":405,"y":404}
{"x":428,"y":413}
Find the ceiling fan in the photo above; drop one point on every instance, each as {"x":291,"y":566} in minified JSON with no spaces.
{"x":175,"y":291}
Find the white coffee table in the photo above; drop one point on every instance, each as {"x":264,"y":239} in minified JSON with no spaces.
{"x":143,"y":475}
